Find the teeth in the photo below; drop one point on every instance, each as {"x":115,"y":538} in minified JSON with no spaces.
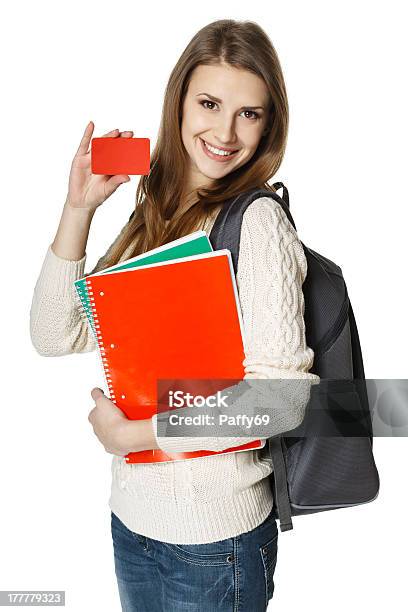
{"x":217,"y":151}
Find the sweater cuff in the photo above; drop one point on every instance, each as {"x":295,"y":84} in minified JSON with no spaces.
{"x":176,"y":444}
{"x":57,"y":275}
{"x":164,"y":442}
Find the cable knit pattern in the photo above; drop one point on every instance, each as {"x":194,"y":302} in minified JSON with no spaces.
{"x":209,"y":498}
{"x":271,"y":270}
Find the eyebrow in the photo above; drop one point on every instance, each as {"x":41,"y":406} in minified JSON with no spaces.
{"x":220,"y":101}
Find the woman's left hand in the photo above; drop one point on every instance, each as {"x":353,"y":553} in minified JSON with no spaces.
{"x":118,"y":434}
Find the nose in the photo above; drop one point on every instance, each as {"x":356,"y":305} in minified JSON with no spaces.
{"x":225,"y":133}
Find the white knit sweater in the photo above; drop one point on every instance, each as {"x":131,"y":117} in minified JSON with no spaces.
{"x":219,"y":496}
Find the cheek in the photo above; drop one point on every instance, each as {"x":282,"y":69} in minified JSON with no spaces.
{"x":253,"y":139}
{"x":196,"y":121}
{"x":251,"y":145}
{"x":186,"y":136}
{"x":198,"y":126}
{"x":191,"y":127}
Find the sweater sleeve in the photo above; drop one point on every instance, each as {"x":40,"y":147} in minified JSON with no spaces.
{"x":57,"y":324}
{"x":271,"y":270}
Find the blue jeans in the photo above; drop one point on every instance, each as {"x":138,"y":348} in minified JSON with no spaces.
{"x":231,"y":575}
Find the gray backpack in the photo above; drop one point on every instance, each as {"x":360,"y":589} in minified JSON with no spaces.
{"x":327,"y":462}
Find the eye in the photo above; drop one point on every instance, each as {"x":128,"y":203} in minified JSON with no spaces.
{"x":254,"y":113}
{"x":206,"y":102}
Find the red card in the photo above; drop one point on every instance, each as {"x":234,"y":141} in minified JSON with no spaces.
{"x":120,"y":156}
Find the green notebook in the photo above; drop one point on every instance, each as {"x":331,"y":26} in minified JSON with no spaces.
{"x":193,"y":244}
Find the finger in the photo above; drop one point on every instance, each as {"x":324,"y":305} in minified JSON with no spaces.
{"x":112,"y":133}
{"x":86,"y":139}
{"x":97,"y":393}
{"x":114,"y":451}
{"x":127,"y":134}
{"x":113,"y":183}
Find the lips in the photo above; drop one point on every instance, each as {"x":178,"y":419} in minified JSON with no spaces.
{"x":214,"y":156}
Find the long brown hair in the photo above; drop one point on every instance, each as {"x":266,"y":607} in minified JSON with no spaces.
{"x":243,"y":45}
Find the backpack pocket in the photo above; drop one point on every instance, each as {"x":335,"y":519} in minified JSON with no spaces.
{"x":331,"y":464}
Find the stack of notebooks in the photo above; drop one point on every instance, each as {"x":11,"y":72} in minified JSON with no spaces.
{"x":169,"y":314}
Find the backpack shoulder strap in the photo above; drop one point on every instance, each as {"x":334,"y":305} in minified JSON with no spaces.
{"x":226,"y":231}
{"x":281,"y":493}
{"x":285,"y":194}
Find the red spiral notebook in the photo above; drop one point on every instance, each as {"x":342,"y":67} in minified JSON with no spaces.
{"x":172,"y":320}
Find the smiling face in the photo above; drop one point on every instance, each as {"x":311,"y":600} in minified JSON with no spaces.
{"x":225,"y":108}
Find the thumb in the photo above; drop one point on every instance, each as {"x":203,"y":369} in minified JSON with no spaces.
{"x":97,"y":393}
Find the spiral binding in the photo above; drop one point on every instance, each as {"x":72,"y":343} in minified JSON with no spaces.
{"x":82,"y":299}
{"x":87,"y":312}
{"x":97,"y":330}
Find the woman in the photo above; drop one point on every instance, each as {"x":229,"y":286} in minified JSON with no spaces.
{"x":198,"y":534}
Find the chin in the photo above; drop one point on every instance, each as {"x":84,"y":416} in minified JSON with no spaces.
{"x":215,"y":175}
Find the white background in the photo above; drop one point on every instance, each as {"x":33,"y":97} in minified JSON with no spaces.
{"x":65,"y":63}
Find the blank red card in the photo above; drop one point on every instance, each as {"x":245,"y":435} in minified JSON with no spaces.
{"x":120,"y":156}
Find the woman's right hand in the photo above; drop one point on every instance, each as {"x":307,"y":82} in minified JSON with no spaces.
{"x":86,"y":190}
